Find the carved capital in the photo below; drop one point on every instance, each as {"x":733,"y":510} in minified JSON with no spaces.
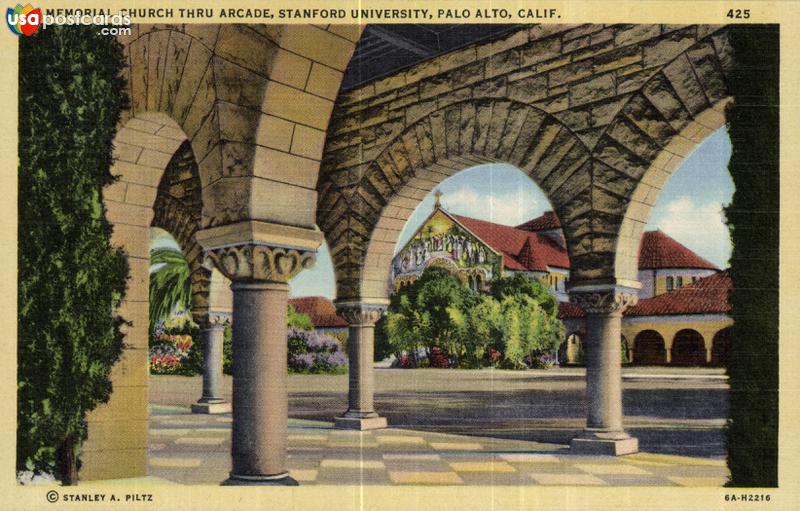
{"x":212,"y":320}
{"x":609,"y":301}
{"x":260,"y":262}
{"x":361,"y":314}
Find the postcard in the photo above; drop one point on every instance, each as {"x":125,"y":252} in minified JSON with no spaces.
{"x":383,"y":255}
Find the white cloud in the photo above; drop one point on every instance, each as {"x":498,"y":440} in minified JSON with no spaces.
{"x":701,"y":227}
{"x":511,"y":208}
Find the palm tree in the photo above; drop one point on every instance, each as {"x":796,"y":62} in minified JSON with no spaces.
{"x":170,"y":286}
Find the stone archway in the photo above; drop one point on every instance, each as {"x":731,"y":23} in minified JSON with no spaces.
{"x":254,"y":103}
{"x":688,"y":348}
{"x":721,"y":346}
{"x":613,"y":114}
{"x":362,"y":220}
{"x":661,"y":124}
{"x":571,"y":351}
{"x":649,"y":348}
{"x":178,"y":210}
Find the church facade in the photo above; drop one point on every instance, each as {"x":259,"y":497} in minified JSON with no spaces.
{"x":681,"y":317}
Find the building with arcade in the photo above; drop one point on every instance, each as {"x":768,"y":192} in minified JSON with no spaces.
{"x":681,"y":317}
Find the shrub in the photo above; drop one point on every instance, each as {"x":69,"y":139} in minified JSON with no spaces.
{"x":313,"y":352}
{"x":515,"y":324}
{"x":175,"y":354}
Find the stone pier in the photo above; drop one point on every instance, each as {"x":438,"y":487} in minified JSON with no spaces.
{"x":260,"y":272}
{"x":604,"y":434}
{"x":361,"y":317}
{"x":211,"y":400}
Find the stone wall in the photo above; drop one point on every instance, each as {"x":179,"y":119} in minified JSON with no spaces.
{"x":254,"y":102}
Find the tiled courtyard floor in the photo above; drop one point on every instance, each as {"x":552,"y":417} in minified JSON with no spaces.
{"x":195,"y":449}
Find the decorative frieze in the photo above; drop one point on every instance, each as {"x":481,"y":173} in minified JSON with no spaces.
{"x":607,"y":301}
{"x":260,"y":262}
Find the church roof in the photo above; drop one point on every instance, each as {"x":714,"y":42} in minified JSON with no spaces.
{"x":547,"y":222}
{"x":526,"y":248}
{"x":321,"y":310}
{"x":656,"y":250}
{"x":522,"y":250}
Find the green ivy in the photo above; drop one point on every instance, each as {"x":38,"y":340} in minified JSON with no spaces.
{"x":70,"y":278}
{"x":753,"y":219}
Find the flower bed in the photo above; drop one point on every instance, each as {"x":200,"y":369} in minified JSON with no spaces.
{"x":312,"y":352}
{"x":169,"y":353}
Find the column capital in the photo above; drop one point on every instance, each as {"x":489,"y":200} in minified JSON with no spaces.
{"x":604,"y":301}
{"x":252,"y":261}
{"x":361,"y":313}
{"x":216,"y":320}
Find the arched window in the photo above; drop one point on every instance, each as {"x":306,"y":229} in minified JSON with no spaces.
{"x":688,"y":348}
{"x":648,"y":349}
{"x":670,"y":283}
{"x":721,"y":346}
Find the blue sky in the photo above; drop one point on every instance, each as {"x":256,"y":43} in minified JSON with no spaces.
{"x":689,"y":208}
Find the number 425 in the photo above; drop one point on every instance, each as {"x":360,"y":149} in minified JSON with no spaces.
{"x":739,"y":14}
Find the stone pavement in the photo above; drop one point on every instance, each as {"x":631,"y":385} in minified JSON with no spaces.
{"x":195,"y":449}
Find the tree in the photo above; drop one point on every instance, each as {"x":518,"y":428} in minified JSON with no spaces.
{"x":479,"y":328}
{"x":519,"y":319}
{"x":171,"y":289}
{"x":529,"y":330}
{"x":70,"y":278}
{"x":519,"y":285}
{"x":170,"y":285}
{"x":753,"y":219}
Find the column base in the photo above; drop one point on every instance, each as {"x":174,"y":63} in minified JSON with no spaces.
{"x":604,"y":443}
{"x":360,"y":422}
{"x":276,"y":480}
{"x":212,"y":407}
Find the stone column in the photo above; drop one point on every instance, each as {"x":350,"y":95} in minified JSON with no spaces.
{"x":212,"y":401}
{"x":604,"y":434}
{"x":360,"y":412}
{"x":259,"y":276}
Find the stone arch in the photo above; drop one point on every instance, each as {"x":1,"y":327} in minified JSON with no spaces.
{"x":721,"y":346}
{"x":571,"y":350}
{"x":254,"y":101}
{"x":649,"y":348}
{"x":688,"y":348}
{"x":659,"y":126}
{"x":178,"y":210}
{"x":363,"y":205}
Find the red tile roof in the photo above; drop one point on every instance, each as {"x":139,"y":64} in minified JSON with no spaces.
{"x":568,"y":310}
{"x":522,"y":250}
{"x":657,"y":250}
{"x":321,"y":310}
{"x":708,"y":295}
{"x":548,"y":221}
